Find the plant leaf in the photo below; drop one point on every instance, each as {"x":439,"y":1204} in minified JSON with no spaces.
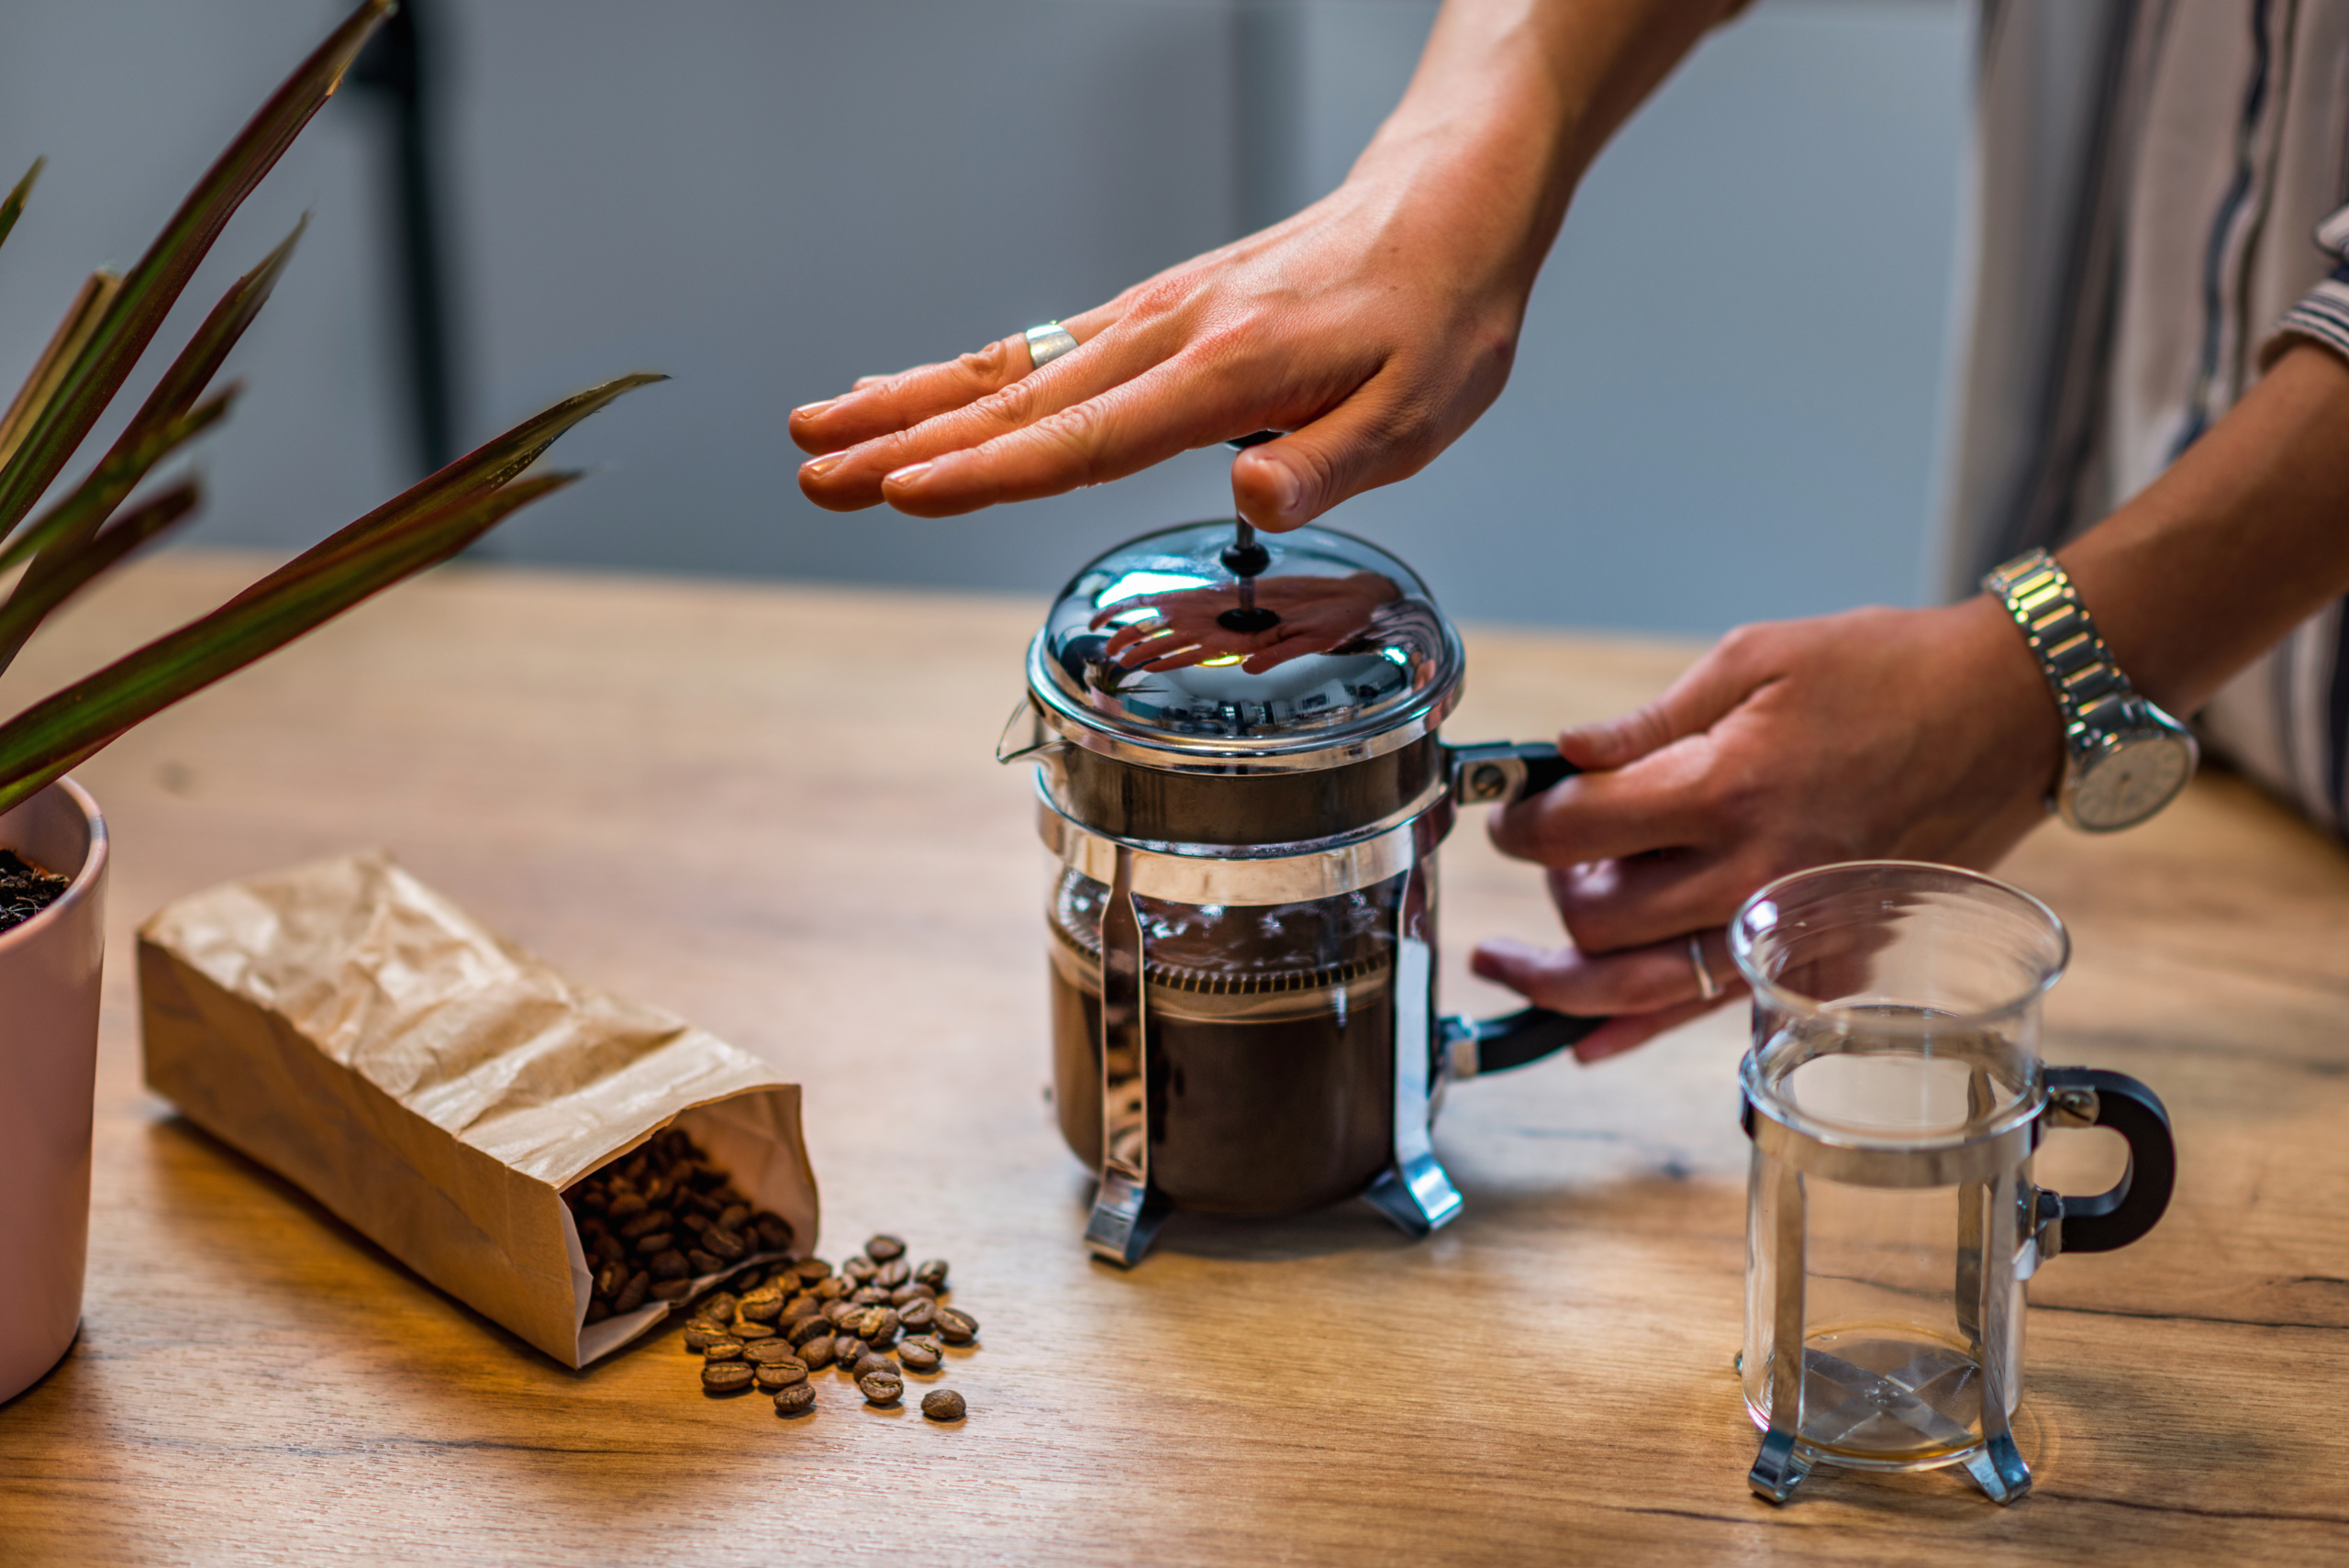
{"x":40,"y":744}
{"x":152,"y":285}
{"x":488,"y":466}
{"x":73,"y":334}
{"x":35,"y":597}
{"x":173,"y":398}
{"x":12,"y":207}
{"x":94,"y":500}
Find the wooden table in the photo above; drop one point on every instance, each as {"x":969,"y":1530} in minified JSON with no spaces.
{"x":776,"y":811}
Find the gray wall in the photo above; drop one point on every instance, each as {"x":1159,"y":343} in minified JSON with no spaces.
{"x":1726,"y":405}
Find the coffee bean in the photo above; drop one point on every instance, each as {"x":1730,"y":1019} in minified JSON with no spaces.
{"x":671,"y":1289}
{"x":611,"y":1249}
{"x":597,"y":1311}
{"x":763,"y":1305}
{"x":803,"y":1329}
{"x":881,"y":1249}
{"x":932,"y":1274}
{"x":721,"y":1306}
{"x":871,"y":1296}
{"x":841,"y":1311}
{"x":774,"y":1376}
{"x":726,"y":1243}
{"x":768,"y":1352}
{"x":878,"y":1327}
{"x":645,"y":1223}
{"x":733,"y":1215}
{"x":870,"y":1362}
{"x":881,"y":1387}
{"x":669,"y":1265}
{"x":956,"y":1327}
{"x":654,"y":1241}
{"x":917,"y":1316}
{"x":701,"y":1336}
{"x":916,"y":1291}
{"x":610,"y":1278}
{"x":830,"y":1289}
{"x":749,"y":1328}
{"x":627,"y":1205}
{"x":817,"y":1352}
{"x":944,"y":1405}
{"x":796,"y":1400}
{"x":799,"y":1306}
{"x":702,"y":1264}
{"x":811,"y":1268}
{"x":725,"y":1348}
{"x":847,"y":1349}
{"x":859,"y":1270}
{"x":726,"y":1377}
{"x":920,"y":1355}
{"x":774,"y":1232}
{"x":890,"y":1275}
{"x":631,"y":1296}
{"x":693,"y":1221}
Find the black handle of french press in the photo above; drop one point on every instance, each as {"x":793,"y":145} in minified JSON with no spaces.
{"x":1530,"y":1034}
{"x":1544,"y":767}
{"x":1526,"y":1035}
{"x":2135,"y":1204}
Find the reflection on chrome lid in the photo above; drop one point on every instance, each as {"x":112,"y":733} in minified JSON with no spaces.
{"x":1152,"y":642}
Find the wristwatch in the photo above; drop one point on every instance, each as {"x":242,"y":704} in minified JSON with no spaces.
{"x":2124,"y":759}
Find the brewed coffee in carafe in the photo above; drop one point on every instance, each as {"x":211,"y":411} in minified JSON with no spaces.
{"x":1271,"y":1033}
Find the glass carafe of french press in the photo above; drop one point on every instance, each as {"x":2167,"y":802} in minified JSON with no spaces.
{"x":1242,"y":790}
{"x":1894,"y":1096}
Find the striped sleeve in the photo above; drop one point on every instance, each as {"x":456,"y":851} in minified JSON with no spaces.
{"x":2323,"y":312}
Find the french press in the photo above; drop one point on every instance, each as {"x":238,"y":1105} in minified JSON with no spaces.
{"x":1895,"y":1095}
{"x":1241,"y":790}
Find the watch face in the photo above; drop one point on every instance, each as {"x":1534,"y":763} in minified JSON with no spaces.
{"x":2128,"y":784}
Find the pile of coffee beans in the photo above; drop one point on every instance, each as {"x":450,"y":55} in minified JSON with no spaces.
{"x":661,"y":1217}
{"x":777,"y":1326}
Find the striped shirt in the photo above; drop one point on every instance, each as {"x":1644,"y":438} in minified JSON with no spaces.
{"x":2161,"y":207}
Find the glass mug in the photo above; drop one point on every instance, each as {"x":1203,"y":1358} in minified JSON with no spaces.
{"x":1894,"y":1096}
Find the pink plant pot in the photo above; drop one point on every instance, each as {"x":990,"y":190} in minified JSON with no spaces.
{"x":49,"y":969}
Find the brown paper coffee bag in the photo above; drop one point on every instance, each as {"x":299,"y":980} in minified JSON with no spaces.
{"x":438,"y":1088}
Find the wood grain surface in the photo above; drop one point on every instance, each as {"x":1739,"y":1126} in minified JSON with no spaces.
{"x":776,"y":811}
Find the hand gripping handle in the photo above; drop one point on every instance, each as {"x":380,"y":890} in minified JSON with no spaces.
{"x":2135,"y":1204}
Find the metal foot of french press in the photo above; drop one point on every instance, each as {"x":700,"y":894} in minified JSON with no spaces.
{"x":1125,"y":1219}
{"x":1415,"y":1191}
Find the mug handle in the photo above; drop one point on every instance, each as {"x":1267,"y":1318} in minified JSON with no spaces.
{"x":2135,"y":1204}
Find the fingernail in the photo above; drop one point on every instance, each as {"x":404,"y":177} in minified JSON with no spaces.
{"x":809,"y":410}
{"x":907,"y":474}
{"x":1284,"y":489}
{"x":816,"y":467}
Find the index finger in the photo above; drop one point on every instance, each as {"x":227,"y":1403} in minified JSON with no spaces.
{"x":882,"y":406}
{"x":1656,"y":803}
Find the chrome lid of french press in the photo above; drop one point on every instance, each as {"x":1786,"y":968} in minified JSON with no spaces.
{"x":1204,"y":647}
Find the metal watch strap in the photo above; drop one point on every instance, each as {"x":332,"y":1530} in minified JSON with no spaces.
{"x":2092,"y":693}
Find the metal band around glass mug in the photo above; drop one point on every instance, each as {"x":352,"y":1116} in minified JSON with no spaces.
{"x":1047,"y":343}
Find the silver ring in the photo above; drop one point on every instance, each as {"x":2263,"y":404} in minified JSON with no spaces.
{"x":1706,"y":986}
{"x":1047,"y":343}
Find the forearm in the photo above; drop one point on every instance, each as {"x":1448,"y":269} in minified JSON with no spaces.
{"x":1513,"y":99}
{"x":2244,"y":538}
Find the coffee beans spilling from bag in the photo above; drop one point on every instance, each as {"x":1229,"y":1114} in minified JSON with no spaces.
{"x":776,"y":1325}
{"x":661,"y":1215}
